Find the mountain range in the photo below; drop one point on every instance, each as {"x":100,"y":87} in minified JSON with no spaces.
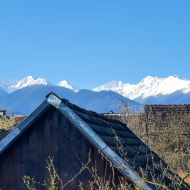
{"x":153,"y":90}
{"x":26,"y":99}
{"x":24,"y":95}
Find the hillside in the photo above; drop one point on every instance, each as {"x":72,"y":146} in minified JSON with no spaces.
{"x":28,"y":98}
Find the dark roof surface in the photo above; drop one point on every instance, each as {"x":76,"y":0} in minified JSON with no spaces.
{"x":120,"y":139}
{"x":178,"y":108}
{"x":4,"y":133}
{"x":124,"y":142}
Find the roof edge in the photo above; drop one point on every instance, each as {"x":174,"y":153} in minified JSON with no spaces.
{"x":15,"y":133}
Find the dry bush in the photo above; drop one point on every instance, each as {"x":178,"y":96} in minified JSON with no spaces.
{"x":167,"y":135}
{"x":54,"y":182}
{"x":7,"y":123}
{"x":98,"y":183}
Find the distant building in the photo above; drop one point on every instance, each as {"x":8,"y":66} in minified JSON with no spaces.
{"x":112,"y":115}
{"x":2,"y":113}
{"x":165,"y":111}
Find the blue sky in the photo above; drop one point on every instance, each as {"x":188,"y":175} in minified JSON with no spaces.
{"x":92,"y":42}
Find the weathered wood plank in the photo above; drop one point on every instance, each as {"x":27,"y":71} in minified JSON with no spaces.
{"x":1,"y":174}
{"x":64,"y":148}
{"x":17,"y":170}
{"x":99,"y":163}
{"x":109,"y":171}
{"x":7,"y":170}
{"x":75,"y":155}
{"x":55,"y":140}
{"x":25,"y":158}
{"x":86,"y":150}
{"x":34,"y":155}
{"x":47,"y":142}
{"x":39,"y":153}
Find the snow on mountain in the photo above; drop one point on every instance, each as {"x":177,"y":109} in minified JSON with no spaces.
{"x":9,"y":85}
{"x":28,"y":81}
{"x":148,"y":87}
{"x":65,"y":84}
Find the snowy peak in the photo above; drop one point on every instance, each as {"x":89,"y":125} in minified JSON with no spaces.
{"x":30,"y":81}
{"x":149,"y":86}
{"x":27,"y":82}
{"x":9,"y":85}
{"x":65,"y":84}
{"x":154,"y":85}
{"x":114,"y":85}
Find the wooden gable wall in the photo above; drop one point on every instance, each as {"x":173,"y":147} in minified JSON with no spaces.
{"x":50,"y":135}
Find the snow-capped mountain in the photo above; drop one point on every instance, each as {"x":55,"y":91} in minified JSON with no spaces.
{"x":15,"y":85}
{"x":65,"y":84}
{"x":152,"y":90}
{"x":148,"y":87}
{"x":9,"y":85}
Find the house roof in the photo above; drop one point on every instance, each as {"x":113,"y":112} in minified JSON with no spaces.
{"x":171,"y":108}
{"x":112,"y":137}
{"x":3,"y":133}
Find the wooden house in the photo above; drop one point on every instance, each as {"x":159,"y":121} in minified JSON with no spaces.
{"x":67,"y":133}
{"x":112,"y":115}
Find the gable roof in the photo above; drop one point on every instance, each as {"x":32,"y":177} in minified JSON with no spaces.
{"x":103,"y":133}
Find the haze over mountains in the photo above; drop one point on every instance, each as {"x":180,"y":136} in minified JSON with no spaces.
{"x":23,"y":96}
{"x":29,"y":95}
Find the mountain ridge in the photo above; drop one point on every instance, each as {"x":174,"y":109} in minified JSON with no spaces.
{"x":148,"y":87}
{"x":28,"y":98}
{"x":10,"y":85}
{"x":148,"y":90}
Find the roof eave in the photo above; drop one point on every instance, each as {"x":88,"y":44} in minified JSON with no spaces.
{"x":13,"y":135}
